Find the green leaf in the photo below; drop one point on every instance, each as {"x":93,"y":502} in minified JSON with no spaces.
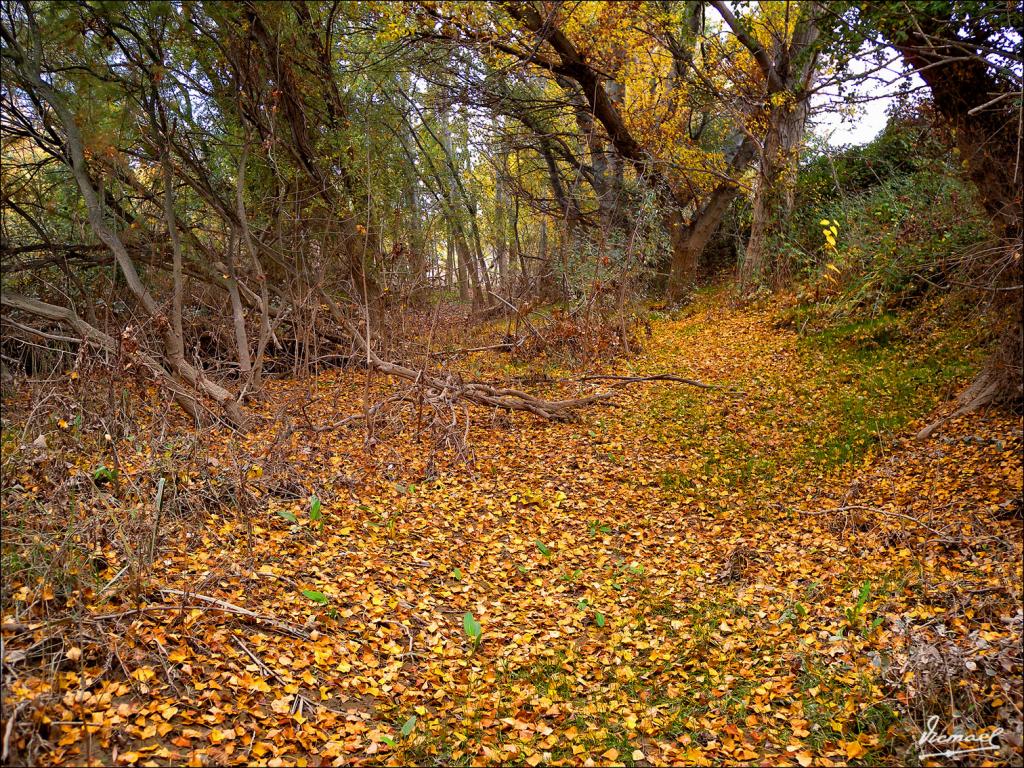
{"x":409,"y":725}
{"x":456,"y":574}
{"x":388,"y":740}
{"x":865,"y":593}
{"x":471,"y":626}
{"x":316,"y":597}
{"x":315,"y":508}
{"x":599,"y":618}
{"x":289,"y":516}
{"x":543,"y":549}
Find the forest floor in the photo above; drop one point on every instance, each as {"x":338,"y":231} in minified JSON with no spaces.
{"x":771,"y":572}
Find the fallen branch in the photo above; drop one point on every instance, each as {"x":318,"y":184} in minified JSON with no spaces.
{"x":100,"y":340}
{"x":227,"y":607}
{"x":209,"y":603}
{"x":862,"y":508}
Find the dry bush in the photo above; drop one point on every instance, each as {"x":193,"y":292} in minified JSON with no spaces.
{"x":581,"y":341}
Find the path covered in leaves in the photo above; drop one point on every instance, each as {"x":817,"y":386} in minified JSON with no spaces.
{"x":689,"y":576}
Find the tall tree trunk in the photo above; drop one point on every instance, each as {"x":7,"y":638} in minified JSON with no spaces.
{"x":501,"y":240}
{"x":788,"y":69}
{"x":469,"y":279}
{"x":450,"y":275}
{"x":607,"y":196}
{"x":546,"y":273}
{"x":178,"y":334}
{"x":237,"y":311}
{"x":773,"y":192}
{"x":256,"y":372}
{"x":484,"y":279}
{"x":688,"y":242}
{"x":517,"y":246}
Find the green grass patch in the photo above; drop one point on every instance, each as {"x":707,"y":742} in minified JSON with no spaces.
{"x":876,"y":380}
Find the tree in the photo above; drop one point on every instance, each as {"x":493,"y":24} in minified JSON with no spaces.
{"x":967,"y":53}
{"x":782,"y":43}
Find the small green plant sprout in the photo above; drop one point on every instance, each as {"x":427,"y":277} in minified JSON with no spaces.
{"x":289,"y":516}
{"x":794,"y":611}
{"x":584,"y":605}
{"x":404,"y":732}
{"x":596,"y":526}
{"x":544,"y":549}
{"x":854,"y":614}
{"x":316,"y":513}
{"x":472,"y":628}
{"x":103,"y":474}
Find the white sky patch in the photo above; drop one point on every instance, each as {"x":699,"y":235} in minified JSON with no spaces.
{"x":838,"y":129}
{"x":872,"y":92}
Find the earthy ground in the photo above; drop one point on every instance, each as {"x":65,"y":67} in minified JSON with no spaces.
{"x":772,"y":572}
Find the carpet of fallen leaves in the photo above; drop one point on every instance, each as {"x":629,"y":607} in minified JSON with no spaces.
{"x":682,"y":577}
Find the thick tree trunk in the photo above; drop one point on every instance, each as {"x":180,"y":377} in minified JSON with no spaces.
{"x":469,"y":280}
{"x":690,"y":244}
{"x":681,"y":272}
{"x":788,"y":68}
{"x":773,"y":194}
{"x":689,"y":241}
